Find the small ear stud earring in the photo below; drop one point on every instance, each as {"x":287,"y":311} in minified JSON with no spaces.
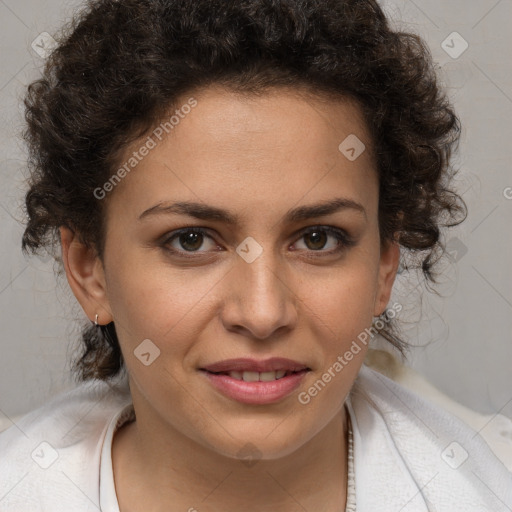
{"x":96,"y":320}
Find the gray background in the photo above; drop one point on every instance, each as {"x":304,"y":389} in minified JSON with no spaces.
{"x":464,"y":337}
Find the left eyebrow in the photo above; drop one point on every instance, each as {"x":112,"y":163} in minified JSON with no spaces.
{"x":207,"y":212}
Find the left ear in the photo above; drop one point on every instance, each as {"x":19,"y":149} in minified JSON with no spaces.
{"x":388,"y":267}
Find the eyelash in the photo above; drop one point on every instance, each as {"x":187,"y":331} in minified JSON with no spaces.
{"x":345,"y":241}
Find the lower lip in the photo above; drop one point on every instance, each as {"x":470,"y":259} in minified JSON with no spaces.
{"x":258,"y":393}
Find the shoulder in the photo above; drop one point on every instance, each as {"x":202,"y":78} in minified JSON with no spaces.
{"x":52,"y":454}
{"x":412,"y":441}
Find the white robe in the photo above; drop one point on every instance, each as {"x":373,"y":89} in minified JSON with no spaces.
{"x":412,"y":456}
{"x":409,"y":455}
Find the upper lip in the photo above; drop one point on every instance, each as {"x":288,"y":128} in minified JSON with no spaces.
{"x":253,"y":365}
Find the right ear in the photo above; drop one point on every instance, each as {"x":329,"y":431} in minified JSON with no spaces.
{"x":86,"y":277}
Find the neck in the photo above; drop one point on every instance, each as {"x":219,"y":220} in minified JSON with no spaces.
{"x":153,"y":461}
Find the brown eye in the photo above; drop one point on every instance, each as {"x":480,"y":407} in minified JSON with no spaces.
{"x":317,"y":238}
{"x":191,"y":241}
{"x":325,"y":240}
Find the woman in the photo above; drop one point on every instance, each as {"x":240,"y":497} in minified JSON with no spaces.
{"x":231,"y":185}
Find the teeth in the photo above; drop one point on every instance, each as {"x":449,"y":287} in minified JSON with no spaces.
{"x":251,"y":376}
{"x":256,"y":376}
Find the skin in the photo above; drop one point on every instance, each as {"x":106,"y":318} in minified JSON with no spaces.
{"x":257,"y":157}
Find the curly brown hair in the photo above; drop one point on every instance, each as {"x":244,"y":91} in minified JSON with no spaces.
{"x":120,"y":66}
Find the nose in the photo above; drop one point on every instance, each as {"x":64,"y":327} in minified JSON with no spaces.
{"x":259,"y":298}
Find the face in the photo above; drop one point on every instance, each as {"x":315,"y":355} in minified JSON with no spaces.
{"x":278,"y":257}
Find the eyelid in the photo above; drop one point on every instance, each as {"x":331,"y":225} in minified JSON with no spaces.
{"x":340,"y":234}
{"x":323,"y":227}
{"x":170,"y":237}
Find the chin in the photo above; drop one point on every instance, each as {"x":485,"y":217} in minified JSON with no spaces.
{"x":275,"y":440}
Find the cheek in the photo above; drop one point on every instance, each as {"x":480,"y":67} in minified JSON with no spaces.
{"x":340,"y":311}
{"x":344,"y":298}
{"x":150,"y":300}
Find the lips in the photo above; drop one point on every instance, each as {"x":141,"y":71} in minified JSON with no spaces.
{"x":274,"y":364}
{"x":256,"y":382}
{"x":248,"y":376}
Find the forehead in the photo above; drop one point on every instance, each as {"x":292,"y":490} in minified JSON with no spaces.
{"x":269,"y":123}
{"x":245,"y":149}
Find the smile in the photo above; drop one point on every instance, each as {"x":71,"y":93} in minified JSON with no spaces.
{"x":249,"y":376}
{"x":256,"y":388}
